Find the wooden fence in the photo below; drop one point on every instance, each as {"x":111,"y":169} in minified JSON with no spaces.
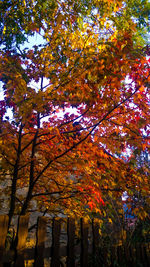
{"x":82,"y":251}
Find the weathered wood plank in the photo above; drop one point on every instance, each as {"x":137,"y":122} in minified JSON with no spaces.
{"x":40,"y":242}
{"x":22,"y":233}
{"x":120,"y":253}
{"x":147,"y":251}
{"x":56,"y":228}
{"x":3,"y":233}
{"x":70,"y":243}
{"x":3,"y":230}
{"x":84,"y":244}
{"x":96,"y":236}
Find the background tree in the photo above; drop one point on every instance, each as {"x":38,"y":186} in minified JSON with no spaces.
{"x":91,"y":69}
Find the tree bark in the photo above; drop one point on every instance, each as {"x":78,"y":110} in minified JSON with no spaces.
{"x":14,"y":179}
{"x":31,"y":182}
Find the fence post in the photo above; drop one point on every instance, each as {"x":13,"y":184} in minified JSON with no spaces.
{"x":113,"y":256}
{"x":40,"y":239}
{"x":147,"y":253}
{"x":120,"y":253}
{"x":84,"y":243}
{"x":3,"y":233}
{"x":96,"y":236}
{"x":22,"y":232}
{"x":96,"y":240}
{"x":56,"y":228}
{"x":70,"y":242}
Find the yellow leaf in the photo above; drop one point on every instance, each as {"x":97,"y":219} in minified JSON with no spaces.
{"x":110,"y":220}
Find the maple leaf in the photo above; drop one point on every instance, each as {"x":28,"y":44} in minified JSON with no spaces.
{"x":79,"y":104}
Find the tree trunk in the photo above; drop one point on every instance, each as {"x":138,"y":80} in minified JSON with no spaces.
{"x":14,"y":180}
{"x":31,"y":182}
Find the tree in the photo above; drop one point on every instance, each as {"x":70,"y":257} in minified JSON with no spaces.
{"x":92,"y":69}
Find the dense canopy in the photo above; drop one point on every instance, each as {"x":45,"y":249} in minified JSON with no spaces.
{"x":75,"y":110}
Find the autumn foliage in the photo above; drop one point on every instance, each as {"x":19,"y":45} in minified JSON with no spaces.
{"x":78,"y":105}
